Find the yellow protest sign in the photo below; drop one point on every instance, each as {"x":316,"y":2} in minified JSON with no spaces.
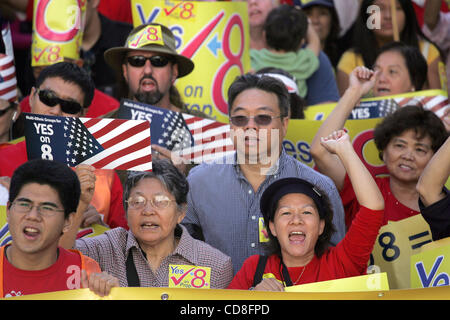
{"x":395,"y":244}
{"x":188,"y":276}
{"x":376,"y":281}
{"x":431,"y":266}
{"x":300,"y":134}
{"x":215,"y":35}
{"x":57,"y":30}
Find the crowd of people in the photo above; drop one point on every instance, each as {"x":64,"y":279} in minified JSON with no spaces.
{"x":246,"y":222}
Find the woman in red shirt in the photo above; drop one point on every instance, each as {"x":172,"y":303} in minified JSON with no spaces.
{"x":299,"y":220}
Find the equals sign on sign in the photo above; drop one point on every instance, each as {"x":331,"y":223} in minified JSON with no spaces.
{"x":421,"y":236}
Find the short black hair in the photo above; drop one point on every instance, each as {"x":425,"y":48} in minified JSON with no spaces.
{"x":413,"y":117}
{"x":70,"y":72}
{"x":285,"y":28}
{"x":269,"y":84}
{"x":47,"y":172}
{"x":414,"y":60}
{"x":169,"y":175}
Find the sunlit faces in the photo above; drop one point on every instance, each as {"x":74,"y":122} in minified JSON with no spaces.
{"x":406,"y":156}
{"x":258,"y":11}
{"x":34,"y":233}
{"x":152,"y":226}
{"x":394,"y":77}
{"x":149,"y":84}
{"x":297,"y":226}
{"x":62,"y":89}
{"x":320,"y":17}
{"x":256,"y":143}
{"x":386,"y":30}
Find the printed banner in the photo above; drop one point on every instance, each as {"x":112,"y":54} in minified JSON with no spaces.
{"x":434,"y":100}
{"x":194,"y":139}
{"x":102,"y":143}
{"x":442,"y":293}
{"x":57,"y":30}
{"x":396,"y":242}
{"x":188,"y":276}
{"x":376,"y":281}
{"x":215,"y":35}
{"x":430,"y":267}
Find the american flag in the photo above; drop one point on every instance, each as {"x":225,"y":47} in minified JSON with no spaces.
{"x":8,"y":82}
{"x":193,"y":138}
{"x":102,"y":143}
{"x":437,"y":103}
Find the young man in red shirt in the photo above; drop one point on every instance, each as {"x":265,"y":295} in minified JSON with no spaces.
{"x":44,"y":195}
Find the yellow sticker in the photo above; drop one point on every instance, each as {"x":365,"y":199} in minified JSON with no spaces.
{"x":263,"y":234}
{"x":187,"y":276}
{"x":149,"y":35}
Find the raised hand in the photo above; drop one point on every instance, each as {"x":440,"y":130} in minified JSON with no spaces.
{"x":363,"y":79}
{"x":86,"y":175}
{"x":337,"y":140}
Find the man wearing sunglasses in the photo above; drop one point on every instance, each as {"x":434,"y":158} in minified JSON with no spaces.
{"x":65,"y":89}
{"x":223,"y":199}
{"x":149,"y":65}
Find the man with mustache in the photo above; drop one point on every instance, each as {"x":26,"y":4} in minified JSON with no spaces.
{"x":149,"y":65}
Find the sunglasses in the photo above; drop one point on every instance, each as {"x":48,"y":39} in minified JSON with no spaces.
{"x":50,"y":99}
{"x":12,"y":105}
{"x":155,"y":61}
{"x":260,"y":120}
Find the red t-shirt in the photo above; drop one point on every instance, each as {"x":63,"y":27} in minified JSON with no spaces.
{"x":348,"y":259}
{"x":394,"y":210}
{"x":101,"y":105}
{"x":64,"y":274}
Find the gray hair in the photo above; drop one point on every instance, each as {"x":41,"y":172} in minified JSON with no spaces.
{"x":163,"y":170}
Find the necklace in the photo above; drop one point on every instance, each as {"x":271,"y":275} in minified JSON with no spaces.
{"x":296,"y":281}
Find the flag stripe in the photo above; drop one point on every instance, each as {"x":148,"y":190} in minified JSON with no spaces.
{"x":125,"y":134}
{"x":136,"y":163}
{"x":105,"y":160}
{"x":122,"y":145}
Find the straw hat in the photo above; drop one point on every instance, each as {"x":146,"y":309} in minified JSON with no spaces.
{"x":140,"y":39}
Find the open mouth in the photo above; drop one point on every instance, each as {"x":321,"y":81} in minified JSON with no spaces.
{"x":297,"y":237}
{"x":148,"y":84}
{"x":31,"y":233}
{"x":149,"y":226}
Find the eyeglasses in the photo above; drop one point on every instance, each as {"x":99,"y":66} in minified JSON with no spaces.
{"x":43,"y":209}
{"x":11,"y":106}
{"x":260,"y":119}
{"x":50,"y":99}
{"x":158,"y":202}
{"x":155,"y":61}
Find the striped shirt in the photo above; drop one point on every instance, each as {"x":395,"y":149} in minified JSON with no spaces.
{"x":112,"y":248}
{"x":224,"y":205}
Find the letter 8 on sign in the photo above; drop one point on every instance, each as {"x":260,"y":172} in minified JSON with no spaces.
{"x":149,"y":35}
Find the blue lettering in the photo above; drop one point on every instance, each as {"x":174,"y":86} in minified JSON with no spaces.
{"x":424,"y":279}
{"x":290,"y":148}
{"x":152,"y":16}
{"x":303,"y":147}
{"x":177,"y":30}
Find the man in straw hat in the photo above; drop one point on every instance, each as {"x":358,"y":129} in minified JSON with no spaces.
{"x":150,"y":64}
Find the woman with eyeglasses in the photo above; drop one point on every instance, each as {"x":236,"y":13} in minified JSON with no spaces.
{"x":157,"y":251}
